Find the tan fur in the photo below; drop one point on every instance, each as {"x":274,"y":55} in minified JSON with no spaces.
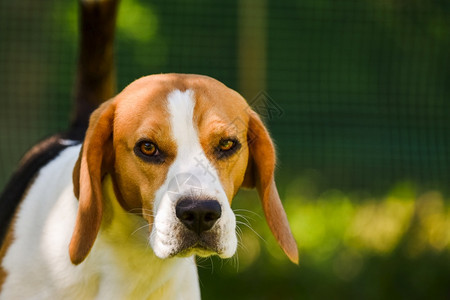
{"x":261,"y":176}
{"x":94,"y":161}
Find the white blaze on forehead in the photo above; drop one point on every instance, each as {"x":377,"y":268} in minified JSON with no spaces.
{"x":181,"y":107}
{"x":190,"y":157}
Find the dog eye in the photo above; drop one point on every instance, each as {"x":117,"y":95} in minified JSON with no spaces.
{"x":148,"y":148}
{"x":227,"y":147}
{"x":148,"y":151}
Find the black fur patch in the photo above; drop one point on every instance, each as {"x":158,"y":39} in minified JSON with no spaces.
{"x":32,"y":162}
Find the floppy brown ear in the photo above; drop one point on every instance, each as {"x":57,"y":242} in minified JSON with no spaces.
{"x":95,"y":158}
{"x":260,"y":174}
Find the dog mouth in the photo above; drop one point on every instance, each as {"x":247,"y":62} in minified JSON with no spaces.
{"x":198,"y":249}
{"x":192,"y":244}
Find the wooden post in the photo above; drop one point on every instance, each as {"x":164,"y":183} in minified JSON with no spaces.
{"x":252,"y":27}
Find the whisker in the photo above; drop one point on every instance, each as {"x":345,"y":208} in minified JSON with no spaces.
{"x":247,"y":211}
{"x":239,"y":233}
{"x":200,"y":263}
{"x":143,"y":211}
{"x":250,"y":227}
{"x":142,"y":227}
{"x":147,"y":215}
{"x":246,"y":219}
{"x":212,"y":264}
{"x":221,"y":263}
{"x":242,"y":245}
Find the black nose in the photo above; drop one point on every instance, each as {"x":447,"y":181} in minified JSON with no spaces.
{"x":198,"y":215}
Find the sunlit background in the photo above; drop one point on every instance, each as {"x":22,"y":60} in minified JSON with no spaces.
{"x":358,"y":98}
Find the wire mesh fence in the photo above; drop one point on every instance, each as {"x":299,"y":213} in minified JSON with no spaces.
{"x":362,"y":85}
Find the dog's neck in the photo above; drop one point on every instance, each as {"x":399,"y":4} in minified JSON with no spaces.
{"x":120,"y":225}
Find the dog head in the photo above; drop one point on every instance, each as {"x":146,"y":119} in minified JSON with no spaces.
{"x":178,"y":148}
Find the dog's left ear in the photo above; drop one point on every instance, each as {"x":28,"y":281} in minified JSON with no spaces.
{"x":96,"y":157}
{"x":260,"y":174}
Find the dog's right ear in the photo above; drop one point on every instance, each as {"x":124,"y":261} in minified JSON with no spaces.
{"x":96,"y":158}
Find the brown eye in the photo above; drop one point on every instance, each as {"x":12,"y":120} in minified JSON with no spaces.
{"x":148,"y":148}
{"x":149,"y":152}
{"x":226,"y":145}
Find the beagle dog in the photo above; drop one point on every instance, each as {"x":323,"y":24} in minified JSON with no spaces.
{"x":123,"y":215}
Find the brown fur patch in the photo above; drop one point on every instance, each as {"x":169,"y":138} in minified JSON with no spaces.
{"x":9,"y":238}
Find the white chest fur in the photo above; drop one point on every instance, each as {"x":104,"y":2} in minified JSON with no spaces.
{"x":121,"y":264}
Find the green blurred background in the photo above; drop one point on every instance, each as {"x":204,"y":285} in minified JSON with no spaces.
{"x":359,"y":92}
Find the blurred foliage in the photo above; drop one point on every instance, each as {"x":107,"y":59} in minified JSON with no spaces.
{"x":352,"y":246}
{"x":363,"y":143}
